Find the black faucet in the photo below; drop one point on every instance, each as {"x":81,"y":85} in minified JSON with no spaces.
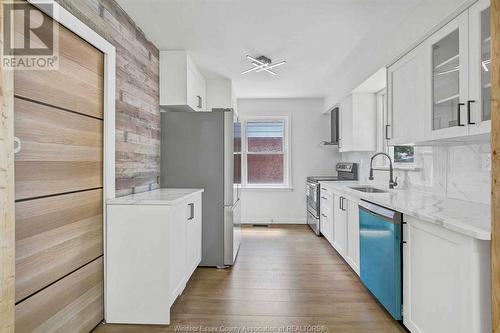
{"x":392,"y":182}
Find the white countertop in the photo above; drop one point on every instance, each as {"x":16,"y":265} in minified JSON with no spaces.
{"x":162,"y":196}
{"x":468,"y":218}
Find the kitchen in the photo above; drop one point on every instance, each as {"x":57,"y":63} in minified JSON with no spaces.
{"x":160,"y":168}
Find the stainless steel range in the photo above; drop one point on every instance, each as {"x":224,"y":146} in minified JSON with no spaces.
{"x":346,"y":171}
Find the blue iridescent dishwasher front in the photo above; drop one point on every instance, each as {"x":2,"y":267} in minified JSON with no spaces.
{"x":380,"y":255}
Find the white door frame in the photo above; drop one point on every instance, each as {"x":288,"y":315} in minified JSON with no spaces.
{"x":68,"y":20}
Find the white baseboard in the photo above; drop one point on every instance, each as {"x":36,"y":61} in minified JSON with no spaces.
{"x":273,"y":220}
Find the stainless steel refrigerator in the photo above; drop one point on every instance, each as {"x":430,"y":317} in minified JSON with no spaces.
{"x":197,"y":150}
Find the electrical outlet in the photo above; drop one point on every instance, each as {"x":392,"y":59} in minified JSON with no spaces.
{"x":486,"y":162}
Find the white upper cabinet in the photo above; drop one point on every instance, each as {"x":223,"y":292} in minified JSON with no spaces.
{"x":408,"y":97}
{"x":358,"y":121}
{"x":182,"y":86}
{"x":449,"y":84}
{"x":441,"y":89}
{"x":220,"y":94}
{"x":480,"y":68}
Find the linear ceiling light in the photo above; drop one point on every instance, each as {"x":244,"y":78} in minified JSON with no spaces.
{"x":262,"y":63}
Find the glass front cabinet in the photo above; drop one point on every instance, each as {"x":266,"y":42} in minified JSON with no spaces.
{"x":460,"y":80}
{"x":480,"y":66}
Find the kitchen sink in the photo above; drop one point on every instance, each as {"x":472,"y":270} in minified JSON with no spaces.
{"x":368,"y":189}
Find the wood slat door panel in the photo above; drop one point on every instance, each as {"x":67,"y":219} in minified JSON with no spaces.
{"x":73,"y":304}
{"x":78,"y":83}
{"x":55,"y":236}
{"x":61,"y":151}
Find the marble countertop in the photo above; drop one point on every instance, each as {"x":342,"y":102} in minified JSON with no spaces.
{"x":468,"y":218}
{"x":162,"y":196}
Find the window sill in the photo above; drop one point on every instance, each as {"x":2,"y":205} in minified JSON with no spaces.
{"x":267,"y":188}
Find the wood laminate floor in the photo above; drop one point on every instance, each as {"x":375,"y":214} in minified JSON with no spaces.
{"x":283,"y":276}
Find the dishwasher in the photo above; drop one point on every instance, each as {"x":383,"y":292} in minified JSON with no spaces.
{"x":380,"y":237}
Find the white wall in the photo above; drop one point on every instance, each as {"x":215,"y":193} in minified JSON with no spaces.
{"x":308,"y":128}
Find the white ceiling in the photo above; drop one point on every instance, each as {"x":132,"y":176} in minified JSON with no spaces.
{"x":330,"y":45}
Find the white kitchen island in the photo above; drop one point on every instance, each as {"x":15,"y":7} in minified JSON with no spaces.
{"x":153,"y":246}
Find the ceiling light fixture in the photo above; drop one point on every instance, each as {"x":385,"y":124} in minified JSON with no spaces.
{"x":261,"y":64}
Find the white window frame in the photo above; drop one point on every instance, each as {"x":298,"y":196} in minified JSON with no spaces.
{"x":286,"y":153}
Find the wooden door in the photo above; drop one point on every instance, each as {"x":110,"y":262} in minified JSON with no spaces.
{"x":58,"y":118}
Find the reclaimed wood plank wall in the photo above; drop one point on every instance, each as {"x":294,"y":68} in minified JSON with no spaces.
{"x":137,"y":99}
{"x":7,"y":236}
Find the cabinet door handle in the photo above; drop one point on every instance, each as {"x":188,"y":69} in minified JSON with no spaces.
{"x":459,"y":107}
{"x":343,"y":207}
{"x":387,"y":132}
{"x":191,"y":211}
{"x":199,"y":101}
{"x":341,"y":203}
{"x":323,"y":198}
{"x":324,"y":215}
{"x":468,"y":112}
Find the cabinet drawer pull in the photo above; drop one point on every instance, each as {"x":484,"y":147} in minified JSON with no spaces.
{"x":191,"y":211}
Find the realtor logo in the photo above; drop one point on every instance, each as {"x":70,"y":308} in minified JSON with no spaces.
{"x":30,"y":36}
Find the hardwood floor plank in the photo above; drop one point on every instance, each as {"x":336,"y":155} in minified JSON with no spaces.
{"x":283,"y":276}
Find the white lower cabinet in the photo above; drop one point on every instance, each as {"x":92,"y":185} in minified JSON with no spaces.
{"x":345,"y":229}
{"x":446,"y":280}
{"x":152,"y":249}
{"x":185,"y":244}
{"x":339,"y":225}
{"x":352,"y":249}
{"x":326,"y":214}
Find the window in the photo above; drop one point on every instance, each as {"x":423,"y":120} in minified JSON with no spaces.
{"x":265,"y":160}
{"x":404,"y":154}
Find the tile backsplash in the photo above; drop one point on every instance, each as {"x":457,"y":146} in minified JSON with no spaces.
{"x":459,"y":171}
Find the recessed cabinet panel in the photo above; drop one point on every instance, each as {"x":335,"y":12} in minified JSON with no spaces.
{"x":358,"y":119}
{"x":339,"y":225}
{"x":408,"y":97}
